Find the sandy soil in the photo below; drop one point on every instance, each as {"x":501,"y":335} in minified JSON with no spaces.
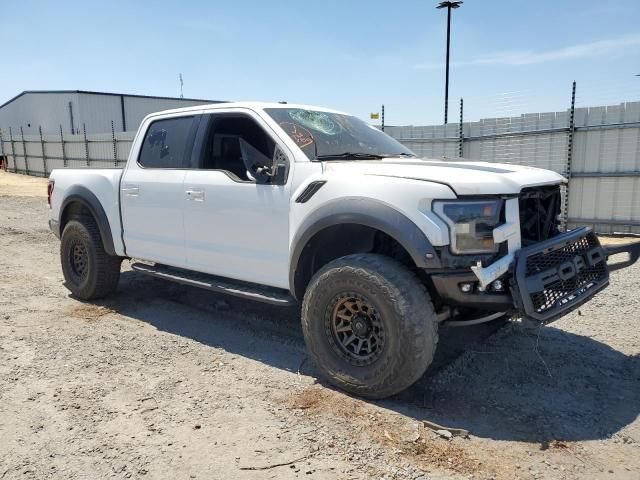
{"x":15,"y":185}
{"x":164,"y":381}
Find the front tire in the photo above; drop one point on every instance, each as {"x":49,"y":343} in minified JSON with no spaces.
{"x":369,"y":325}
{"x":89,"y":271}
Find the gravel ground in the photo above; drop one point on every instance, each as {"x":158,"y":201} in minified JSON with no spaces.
{"x":165,"y":381}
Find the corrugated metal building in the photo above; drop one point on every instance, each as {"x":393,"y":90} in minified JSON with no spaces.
{"x":71,"y":109}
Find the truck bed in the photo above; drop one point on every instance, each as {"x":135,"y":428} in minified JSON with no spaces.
{"x":102,"y":184}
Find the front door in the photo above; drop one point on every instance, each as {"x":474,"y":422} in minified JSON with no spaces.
{"x":235,"y":226}
{"x":152,"y":192}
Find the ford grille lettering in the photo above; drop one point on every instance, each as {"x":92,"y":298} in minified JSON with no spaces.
{"x":565,"y":271}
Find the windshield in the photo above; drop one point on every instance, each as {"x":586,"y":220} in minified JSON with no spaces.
{"x":333,"y":136}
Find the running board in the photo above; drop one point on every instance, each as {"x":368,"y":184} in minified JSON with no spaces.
{"x":259,"y":293}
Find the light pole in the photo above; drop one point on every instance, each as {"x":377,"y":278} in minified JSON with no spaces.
{"x":448,"y":5}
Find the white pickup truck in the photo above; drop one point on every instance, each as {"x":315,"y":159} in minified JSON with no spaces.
{"x":291,"y":203}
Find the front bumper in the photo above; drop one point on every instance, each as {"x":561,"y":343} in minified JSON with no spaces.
{"x":447,"y":284}
{"x":553,"y":277}
{"x":547,"y":280}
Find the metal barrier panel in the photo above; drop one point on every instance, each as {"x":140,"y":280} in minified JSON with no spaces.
{"x":597,"y":148}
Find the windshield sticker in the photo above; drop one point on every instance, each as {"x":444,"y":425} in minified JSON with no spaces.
{"x":298,"y":133}
{"x":316,"y":121}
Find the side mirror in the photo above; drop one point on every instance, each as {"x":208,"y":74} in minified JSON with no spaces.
{"x":261,"y":168}
{"x":279,"y":163}
{"x":275,"y":175}
{"x":280,"y":174}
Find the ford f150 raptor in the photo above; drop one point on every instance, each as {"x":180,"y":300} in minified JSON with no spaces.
{"x":290,"y":203}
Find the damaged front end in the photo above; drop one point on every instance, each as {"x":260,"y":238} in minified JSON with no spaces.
{"x":538,"y":272}
{"x":552,"y":277}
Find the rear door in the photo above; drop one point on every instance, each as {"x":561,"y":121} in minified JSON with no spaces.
{"x":152,"y":194}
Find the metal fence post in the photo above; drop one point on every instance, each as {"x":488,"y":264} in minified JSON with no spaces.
{"x":24,"y":152}
{"x":567,"y":173}
{"x":64,"y":153}
{"x":13,"y":151}
{"x":86,"y":145}
{"x":44,"y":155}
{"x":4,"y":164}
{"x":115,"y":145}
{"x":461,"y":131}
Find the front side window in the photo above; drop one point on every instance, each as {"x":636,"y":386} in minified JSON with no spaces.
{"x":235,"y":144}
{"x":334,"y":136}
{"x":168,"y":144}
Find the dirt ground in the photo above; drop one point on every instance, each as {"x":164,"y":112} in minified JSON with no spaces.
{"x":164,"y":381}
{"x":22,"y":185}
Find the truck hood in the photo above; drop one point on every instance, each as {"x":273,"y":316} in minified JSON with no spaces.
{"x":464,"y":178}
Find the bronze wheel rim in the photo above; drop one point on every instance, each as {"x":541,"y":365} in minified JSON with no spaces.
{"x":355,"y":329}
{"x":79,"y":261}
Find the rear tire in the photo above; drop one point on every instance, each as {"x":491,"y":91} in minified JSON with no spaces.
{"x":388,"y":312}
{"x":89,"y":271}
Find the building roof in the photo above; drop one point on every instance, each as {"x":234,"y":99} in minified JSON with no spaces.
{"x":111,"y":94}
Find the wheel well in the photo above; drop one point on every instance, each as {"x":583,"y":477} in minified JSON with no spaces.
{"x":74,"y":210}
{"x":344,"y":239}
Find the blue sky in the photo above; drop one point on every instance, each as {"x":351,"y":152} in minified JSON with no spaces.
{"x":507,"y":56}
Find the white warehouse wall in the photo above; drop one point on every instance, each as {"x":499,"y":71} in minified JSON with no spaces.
{"x":34,"y":109}
{"x":137,"y":108}
{"x":96,"y":110}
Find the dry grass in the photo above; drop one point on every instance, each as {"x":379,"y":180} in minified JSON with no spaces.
{"x":421,"y":446}
{"x":88,"y":311}
{"x":558,"y":445}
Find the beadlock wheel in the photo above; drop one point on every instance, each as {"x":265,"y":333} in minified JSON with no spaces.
{"x":79,"y":261}
{"x":369,"y":324}
{"x":355,"y":329}
{"x":89,"y":271}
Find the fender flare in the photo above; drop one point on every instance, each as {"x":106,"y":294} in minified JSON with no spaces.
{"x":82,"y":195}
{"x":369,"y":213}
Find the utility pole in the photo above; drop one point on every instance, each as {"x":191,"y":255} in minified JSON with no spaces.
{"x":181,"y":85}
{"x":448,"y":5}
{"x":383,"y":118}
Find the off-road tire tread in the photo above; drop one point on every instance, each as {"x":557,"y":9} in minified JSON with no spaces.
{"x":107,"y":267}
{"x":412,"y":305}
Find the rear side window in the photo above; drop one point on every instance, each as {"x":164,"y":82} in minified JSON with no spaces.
{"x":168,"y":143}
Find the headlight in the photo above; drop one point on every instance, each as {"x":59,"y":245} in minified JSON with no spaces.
{"x":471,"y":224}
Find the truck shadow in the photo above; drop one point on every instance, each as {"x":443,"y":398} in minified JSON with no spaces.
{"x":534,"y":385}
{"x":512,"y":383}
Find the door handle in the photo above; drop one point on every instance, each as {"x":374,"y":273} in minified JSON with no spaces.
{"x":130,"y":189}
{"x":195,"y":194}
